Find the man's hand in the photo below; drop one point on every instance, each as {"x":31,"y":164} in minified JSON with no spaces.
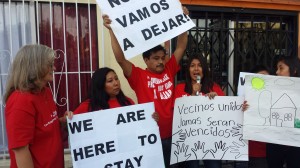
{"x":185,"y":10}
{"x":106,"y":21}
{"x":155,"y":116}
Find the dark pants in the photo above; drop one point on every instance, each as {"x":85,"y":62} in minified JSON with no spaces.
{"x":255,"y":162}
{"x":189,"y":164}
{"x":277,"y":155}
{"x":212,"y":163}
{"x":166,"y":145}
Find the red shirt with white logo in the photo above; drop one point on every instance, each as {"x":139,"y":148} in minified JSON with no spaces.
{"x":157,"y":88}
{"x":31,"y":119}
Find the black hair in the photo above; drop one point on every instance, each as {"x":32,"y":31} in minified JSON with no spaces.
{"x":147,"y":53}
{"x":293,"y":64}
{"x":206,"y":82}
{"x":259,"y":68}
{"x":97,"y":94}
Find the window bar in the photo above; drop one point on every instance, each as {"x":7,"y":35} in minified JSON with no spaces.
{"x":37,"y":21}
{"x":102,"y":39}
{"x":2,"y":122}
{"x":206,"y":39}
{"x":10,"y":29}
{"x":78,"y":51}
{"x":90,"y":38}
{"x":51,"y":38}
{"x":65,"y":56}
{"x":24,"y":23}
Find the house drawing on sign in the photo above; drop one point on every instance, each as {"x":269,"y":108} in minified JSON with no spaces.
{"x":283,"y":112}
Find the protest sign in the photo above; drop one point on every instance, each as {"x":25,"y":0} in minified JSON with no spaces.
{"x":140,"y":25}
{"x":208,"y":129}
{"x":273,"y":115}
{"x":119,"y":137}
{"x":242,"y":80}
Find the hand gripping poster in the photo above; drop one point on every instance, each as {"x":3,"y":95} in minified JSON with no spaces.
{"x":208,"y":129}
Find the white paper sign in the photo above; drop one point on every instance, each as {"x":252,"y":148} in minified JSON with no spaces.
{"x":208,"y":129}
{"x":140,"y":25}
{"x":273,"y":115}
{"x":118,"y":137}
{"x":241,"y":88}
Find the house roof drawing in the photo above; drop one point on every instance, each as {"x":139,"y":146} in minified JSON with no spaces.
{"x":284,"y":102}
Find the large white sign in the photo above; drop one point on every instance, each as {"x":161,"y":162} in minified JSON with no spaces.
{"x":142,"y":24}
{"x":273,"y":115}
{"x":119,"y":137}
{"x":208,"y":129}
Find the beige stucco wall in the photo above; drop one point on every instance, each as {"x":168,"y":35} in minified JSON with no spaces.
{"x":106,"y":57}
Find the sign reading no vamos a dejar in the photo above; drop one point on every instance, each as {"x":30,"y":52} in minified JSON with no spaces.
{"x":124,"y":137}
{"x":142,"y":24}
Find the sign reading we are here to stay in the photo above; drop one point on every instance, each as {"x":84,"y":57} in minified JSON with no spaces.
{"x":142,"y":24}
{"x":124,"y":137}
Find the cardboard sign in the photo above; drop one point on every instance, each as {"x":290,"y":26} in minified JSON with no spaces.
{"x":208,"y":129}
{"x":140,"y":25}
{"x":119,"y":137}
{"x":273,"y":115}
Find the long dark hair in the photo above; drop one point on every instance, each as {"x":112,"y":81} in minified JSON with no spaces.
{"x":293,"y":64}
{"x":97,"y":94}
{"x":206,"y":82}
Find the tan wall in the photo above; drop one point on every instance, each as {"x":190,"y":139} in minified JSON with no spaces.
{"x":106,"y":58}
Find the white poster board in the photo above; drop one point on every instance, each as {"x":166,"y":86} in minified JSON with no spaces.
{"x":273,"y":115}
{"x":118,"y":137}
{"x":208,"y":129}
{"x":140,"y":25}
{"x":241,"y":88}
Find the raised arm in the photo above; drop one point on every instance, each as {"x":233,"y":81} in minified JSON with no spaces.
{"x":182,"y":40}
{"x":119,"y":55}
{"x":181,"y":46}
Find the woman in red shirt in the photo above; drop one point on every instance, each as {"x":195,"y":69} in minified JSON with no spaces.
{"x":105,"y":92}
{"x":198,"y":82}
{"x":32,"y":124}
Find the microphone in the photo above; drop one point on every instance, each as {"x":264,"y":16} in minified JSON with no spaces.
{"x":198,"y":79}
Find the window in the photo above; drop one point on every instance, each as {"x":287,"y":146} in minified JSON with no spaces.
{"x":70,"y":29}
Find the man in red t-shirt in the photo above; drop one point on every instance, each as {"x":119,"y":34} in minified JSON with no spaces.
{"x":154,"y":84}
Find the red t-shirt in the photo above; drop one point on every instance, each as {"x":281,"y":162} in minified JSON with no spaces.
{"x":257,"y":149}
{"x":179,"y":90}
{"x":84,"y":106}
{"x":31,"y":119}
{"x":157,"y":88}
